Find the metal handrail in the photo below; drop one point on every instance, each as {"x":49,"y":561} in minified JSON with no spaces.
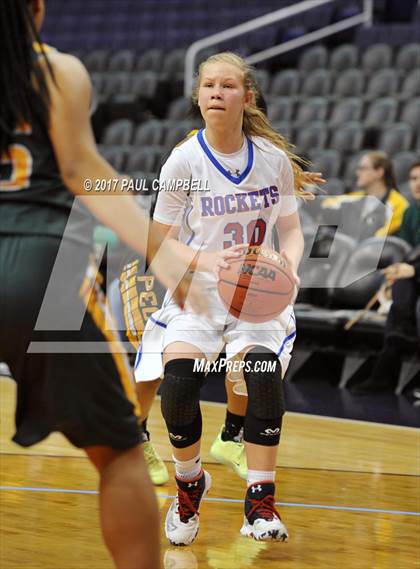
{"x":256,"y":23}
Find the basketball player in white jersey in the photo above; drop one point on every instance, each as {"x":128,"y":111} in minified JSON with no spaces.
{"x":235,"y":186}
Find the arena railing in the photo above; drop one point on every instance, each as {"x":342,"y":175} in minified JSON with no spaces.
{"x":365,"y":17}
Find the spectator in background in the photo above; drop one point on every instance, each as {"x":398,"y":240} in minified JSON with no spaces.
{"x":400,"y":331}
{"x":362,"y":218}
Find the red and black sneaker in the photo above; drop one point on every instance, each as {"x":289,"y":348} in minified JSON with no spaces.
{"x":182,"y":520}
{"x":262,"y":521}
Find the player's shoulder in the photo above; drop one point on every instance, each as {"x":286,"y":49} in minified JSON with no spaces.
{"x":273,"y":155}
{"x":270,"y":149}
{"x":42,"y":48}
{"x":64,"y":65}
{"x":189,"y":143}
{"x":186,"y":149}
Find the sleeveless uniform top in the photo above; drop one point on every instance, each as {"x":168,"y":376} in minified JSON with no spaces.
{"x":33,"y":197}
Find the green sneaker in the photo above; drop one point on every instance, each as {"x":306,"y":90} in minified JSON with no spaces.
{"x":155,"y":465}
{"x":230,"y":453}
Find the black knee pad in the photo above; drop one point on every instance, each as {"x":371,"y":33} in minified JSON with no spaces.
{"x":180,"y":402}
{"x":266,"y":407}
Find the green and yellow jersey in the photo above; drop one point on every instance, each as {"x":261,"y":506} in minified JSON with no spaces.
{"x":33,"y":197}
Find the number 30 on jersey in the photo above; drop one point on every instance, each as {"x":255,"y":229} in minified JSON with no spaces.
{"x":255,"y":233}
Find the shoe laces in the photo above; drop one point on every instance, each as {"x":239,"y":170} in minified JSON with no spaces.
{"x":188,"y":502}
{"x":263,"y":508}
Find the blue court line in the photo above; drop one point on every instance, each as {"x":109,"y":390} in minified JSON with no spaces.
{"x":225,"y":500}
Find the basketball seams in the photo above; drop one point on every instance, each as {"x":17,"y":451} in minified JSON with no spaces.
{"x":252,"y":289}
{"x":257,"y":286}
{"x":262,"y":261}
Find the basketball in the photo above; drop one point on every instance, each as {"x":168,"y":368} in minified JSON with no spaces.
{"x":257,"y":286}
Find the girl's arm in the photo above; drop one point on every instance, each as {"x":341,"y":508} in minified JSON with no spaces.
{"x":291,"y":240}
{"x":288,"y":223}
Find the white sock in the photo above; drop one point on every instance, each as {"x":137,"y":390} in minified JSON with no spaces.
{"x":187,"y":469}
{"x":255,"y":476}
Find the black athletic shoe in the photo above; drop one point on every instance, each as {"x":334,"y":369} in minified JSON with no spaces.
{"x":182,"y":520}
{"x":262,"y":521}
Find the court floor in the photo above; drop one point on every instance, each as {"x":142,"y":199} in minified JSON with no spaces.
{"x":348,"y":492}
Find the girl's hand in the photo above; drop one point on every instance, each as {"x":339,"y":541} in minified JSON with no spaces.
{"x":292,"y":268}
{"x":168,"y":267}
{"x":213,"y":262}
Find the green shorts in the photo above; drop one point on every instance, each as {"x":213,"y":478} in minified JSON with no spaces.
{"x":89,"y":397}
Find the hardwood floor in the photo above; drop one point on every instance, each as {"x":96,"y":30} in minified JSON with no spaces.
{"x":348,"y":492}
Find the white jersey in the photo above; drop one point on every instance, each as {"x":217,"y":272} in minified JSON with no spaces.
{"x":226,"y":200}
{"x":229,"y":199}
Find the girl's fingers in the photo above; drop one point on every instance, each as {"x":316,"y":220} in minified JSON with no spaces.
{"x":232,"y":252}
{"x":222,"y":264}
{"x":285,"y":256}
{"x":234,"y":255}
{"x":236,"y":249}
{"x":288,"y":261}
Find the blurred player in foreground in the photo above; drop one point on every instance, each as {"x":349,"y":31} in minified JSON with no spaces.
{"x":47,"y":152}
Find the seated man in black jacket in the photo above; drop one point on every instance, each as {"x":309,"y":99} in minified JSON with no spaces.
{"x":400,"y":331}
